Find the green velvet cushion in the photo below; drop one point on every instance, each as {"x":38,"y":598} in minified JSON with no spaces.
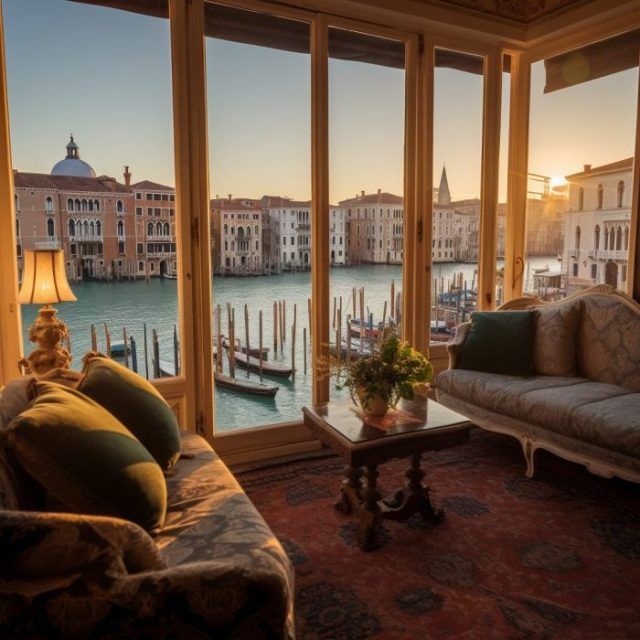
{"x":137,"y":404}
{"x":500,"y":342}
{"x":87,"y":459}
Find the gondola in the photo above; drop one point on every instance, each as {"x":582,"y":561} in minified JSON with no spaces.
{"x":269,"y":368}
{"x":244,"y":386}
{"x":254,"y":352}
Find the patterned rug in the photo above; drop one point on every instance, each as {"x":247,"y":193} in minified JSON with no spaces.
{"x":553,"y":557}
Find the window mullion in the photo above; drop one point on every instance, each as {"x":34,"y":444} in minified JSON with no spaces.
{"x":633,"y":277}
{"x":319,"y":205}
{"x":10,"y":322}
{"x":192,"y":211}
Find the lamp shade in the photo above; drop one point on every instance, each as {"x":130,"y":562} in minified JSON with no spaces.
{"x":44,"y":280}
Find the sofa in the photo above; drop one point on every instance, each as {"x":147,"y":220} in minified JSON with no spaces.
{"x":214,"y":570}
{"x":582,"y":402}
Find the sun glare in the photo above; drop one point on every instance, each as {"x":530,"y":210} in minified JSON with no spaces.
{"x":557,"y":181}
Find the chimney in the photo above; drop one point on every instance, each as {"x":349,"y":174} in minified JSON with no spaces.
{"x":362,"y":193}
{"x":229,"y":196}
{"x":587,"y":167}
{"x":379,"y":191}
{"x":127,"y":176}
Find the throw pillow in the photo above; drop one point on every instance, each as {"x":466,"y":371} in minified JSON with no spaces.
{"x":499,"y":342}
{"x":86,"y":458}
{"x":137,"y":404}
{"x":554,"y":344}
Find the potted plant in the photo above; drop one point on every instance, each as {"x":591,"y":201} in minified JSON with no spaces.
{"x":394,"y":370}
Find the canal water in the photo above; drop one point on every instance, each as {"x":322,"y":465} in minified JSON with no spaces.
{"x":132,"y":304}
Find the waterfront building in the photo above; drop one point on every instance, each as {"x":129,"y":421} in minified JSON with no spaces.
{"x":337,"y":236}
{"x":598,"y":224}
{"x":154,"y":235}
{"x":374,"y":228}
{"x":238,"y":224}
{"x":89,"y":217}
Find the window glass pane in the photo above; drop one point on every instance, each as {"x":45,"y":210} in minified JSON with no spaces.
{"x":258,"y":93}
{"x":366,"y":178}
{"x":89,"y":154}
{"x":458,"y":99}
{"x":580,"y":159}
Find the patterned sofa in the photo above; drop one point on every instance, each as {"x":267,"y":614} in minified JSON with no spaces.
{"x":588,"y":412}
{"x":215,"y":570}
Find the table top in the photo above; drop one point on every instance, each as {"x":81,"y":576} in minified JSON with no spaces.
{"x":413,"y":426}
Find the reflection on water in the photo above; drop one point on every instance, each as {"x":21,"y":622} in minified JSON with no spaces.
{"x":132,"y":304}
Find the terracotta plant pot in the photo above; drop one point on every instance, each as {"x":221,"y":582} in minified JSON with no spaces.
{"x":374,"y":405}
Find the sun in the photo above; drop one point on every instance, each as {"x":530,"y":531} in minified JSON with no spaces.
{"x":557,"y":181}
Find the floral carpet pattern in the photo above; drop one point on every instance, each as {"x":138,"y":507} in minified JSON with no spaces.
{"x":553,"y":557}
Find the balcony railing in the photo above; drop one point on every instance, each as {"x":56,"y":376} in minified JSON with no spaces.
{"x":87,"y":238}
{"x":608,"y":254}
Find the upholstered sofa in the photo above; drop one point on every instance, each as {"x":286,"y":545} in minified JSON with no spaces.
{"x":583,"y":401}
{"x":215,"y":569}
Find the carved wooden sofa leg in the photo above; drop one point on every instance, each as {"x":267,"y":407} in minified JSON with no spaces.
{"x":529,"y":453}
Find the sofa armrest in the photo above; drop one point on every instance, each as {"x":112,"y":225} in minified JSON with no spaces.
{"x":454,"y":346}
{"x":42,"y":551}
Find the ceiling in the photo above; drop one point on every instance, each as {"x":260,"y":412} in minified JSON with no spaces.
{"x":523,"y":12}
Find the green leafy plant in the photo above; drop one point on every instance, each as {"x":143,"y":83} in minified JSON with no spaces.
{"x":394,"y":370}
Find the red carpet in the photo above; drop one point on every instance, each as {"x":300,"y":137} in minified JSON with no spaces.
{"x":554,"y":557}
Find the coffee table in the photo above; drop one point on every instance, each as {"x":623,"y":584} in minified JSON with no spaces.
{"x":411,"y":429}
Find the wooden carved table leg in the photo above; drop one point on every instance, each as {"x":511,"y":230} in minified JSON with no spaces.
{"x":369,"y":516}
{"x":414,"y":498}
{"x":350,"y":490}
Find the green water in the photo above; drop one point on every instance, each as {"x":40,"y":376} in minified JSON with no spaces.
{"x":132,"y":304}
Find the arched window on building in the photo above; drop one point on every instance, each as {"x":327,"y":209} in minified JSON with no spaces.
{"x":626,"y":238}
{"x":96,"y":205}
{"x":159,"y":229}
{"x":596,"y":237}
{"x":120,"y":229}
{"x":620,"y":193}
{"x":99,"y":228}
{"x":240,"y":232}
{"x":72,"y":228}
{"x":226,"y":229}
{"x":618,"y":238}
{"x":612,"y":239}
{"x":51,"y":228}
{"x":77,"y":205}
{"x":69,"y":204}
{"x":119,"y":207}
{"x":248,"y":230}
{"x":48,"y":205}
{"x":600,"y":197}
{"x":150,"y":229}
{"x":166,"y":229}
{"x":90,"y":205}
{"x":92,"y":229}
{"x":581,"y":199}
{"x":85,"y":228}
{"x":578,"y":234}
{"x":85,"y":205}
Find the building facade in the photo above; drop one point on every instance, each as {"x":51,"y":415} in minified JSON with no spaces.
{"x":598,"y":223}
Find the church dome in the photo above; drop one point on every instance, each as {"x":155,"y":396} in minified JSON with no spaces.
{"x":72,"y":165}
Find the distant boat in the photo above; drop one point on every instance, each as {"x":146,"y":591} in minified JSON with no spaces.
{"x":244,"y":386}
{"x":370,"y":330}
{"x":119,"y":350}
{"x":254,"y":352}
{"x":166,"y":276}
{"x":270,"y":368}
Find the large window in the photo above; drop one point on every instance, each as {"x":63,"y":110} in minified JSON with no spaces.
{"x":366,"y":188}
{"x":581,"y":162}
{"x":458,"y":112}
{"x":84,"y":59}
{"x":260,"y":184}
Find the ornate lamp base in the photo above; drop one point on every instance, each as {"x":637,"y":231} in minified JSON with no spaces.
{"x":47,"y":331}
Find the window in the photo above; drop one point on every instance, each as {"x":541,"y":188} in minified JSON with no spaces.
{"x":620,"y":194}
{"x":72,"y":228}
{"x":596,"y":239}
{"x":138,"y":211}
{"x":69,"y":204}
{"x":48,"y":205}
{"x":140,"y":247}
{"x":600,"y":196}
{"x":120,"y":229}
{"x":119,"y":207}
{"x":578,"y":234}
{"x":51,"y":228}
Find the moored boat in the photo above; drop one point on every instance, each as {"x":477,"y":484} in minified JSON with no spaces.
{"x":254,"y":352}
{"x":269,"y":368}
{"x":245,"y":386}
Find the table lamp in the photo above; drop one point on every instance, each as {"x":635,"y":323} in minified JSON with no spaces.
{"x":44,"y":282}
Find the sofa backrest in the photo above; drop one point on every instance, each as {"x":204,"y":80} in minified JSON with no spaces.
{"x":609,"y":340}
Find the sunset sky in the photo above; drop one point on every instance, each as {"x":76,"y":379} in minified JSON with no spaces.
{"x":105,"y":75}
